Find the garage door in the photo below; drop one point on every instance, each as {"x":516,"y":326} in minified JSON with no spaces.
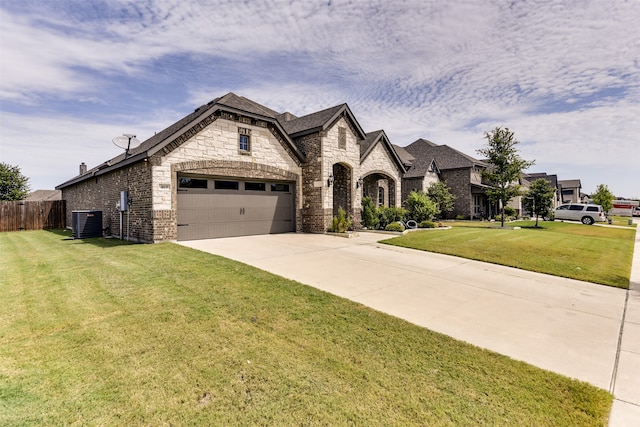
{"x":219,"y":207}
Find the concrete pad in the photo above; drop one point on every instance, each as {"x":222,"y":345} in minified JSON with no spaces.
{"x":624,"y":414}
{"x":633,"y":307}
{"x":627,"y":386}
{"x":563,"y":325}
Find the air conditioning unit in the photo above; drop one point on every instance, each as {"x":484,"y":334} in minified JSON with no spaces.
{"x":86,"y":224}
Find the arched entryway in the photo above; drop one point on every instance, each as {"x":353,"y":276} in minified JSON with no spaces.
{"x":342,"y":182}
{"x":381,"y":188}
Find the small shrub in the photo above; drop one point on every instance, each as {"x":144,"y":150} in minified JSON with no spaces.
{"x":369,"y":215}
{"x":394,"y":226}
{"x":440,"y":225}
{"x":460,"y":217}
{"x":340,"y":223}
{"x":387,"y":215}
{"x":427,"y":224}
{"x":509,"y":212}
{"x":420,"y":207}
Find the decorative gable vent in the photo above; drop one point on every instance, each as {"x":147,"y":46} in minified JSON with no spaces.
{"x":342,"y":138}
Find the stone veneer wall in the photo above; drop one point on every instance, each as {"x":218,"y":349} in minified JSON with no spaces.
{"x":458,"y":181}
{"x":213,"y":150}
{"x":348,"y":157}
{"x":103,"y":193}
{"x":379,"y":160}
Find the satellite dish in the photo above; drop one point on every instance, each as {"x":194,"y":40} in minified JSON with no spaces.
{"x":127,"y":142}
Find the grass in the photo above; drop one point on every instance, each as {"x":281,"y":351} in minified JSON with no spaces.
{"x":622,"y":221}
{"x":595,"y":254}
{"x":100,"y":332}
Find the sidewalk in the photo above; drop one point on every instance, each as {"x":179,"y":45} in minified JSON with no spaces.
{"x":625,"y":385}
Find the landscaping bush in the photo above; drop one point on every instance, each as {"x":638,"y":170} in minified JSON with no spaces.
{"x":370,"y":218}
{"x":420,"y":207}
{"x":460,"y":217}
{"x":387,"y":215}
{"x":427,"y":224}
{"x":441,"y":195}
{"x":509,"y":212}
{"x":394,"y":226}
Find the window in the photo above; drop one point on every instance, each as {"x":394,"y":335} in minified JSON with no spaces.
{"x":342,"y":138}
{"x":244,"y":140}
{"x":380,"y":196}
{"x":244,"y":143}
{"x":575,"y":207}
{"x":255,"y":186}
{"x":280,"y":187}
{"x":226,"y":185}
{"x":563,"y":208}
{"x":593,"y":209}
{"x":192,"y":183}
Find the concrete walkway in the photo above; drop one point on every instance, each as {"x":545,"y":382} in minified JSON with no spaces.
{"x":626,"y":383}
{"x":578,"y":329}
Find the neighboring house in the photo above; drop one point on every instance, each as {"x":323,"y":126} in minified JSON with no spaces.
{"x":570,"y":190}
{"x":235,"y":167}
{"x":44,"y":196}
{"x":553,"y":182}
{"x":429,"y":162}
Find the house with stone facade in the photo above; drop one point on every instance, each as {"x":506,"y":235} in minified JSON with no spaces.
{"x":234,"y":167}
{"x":427,"y":162}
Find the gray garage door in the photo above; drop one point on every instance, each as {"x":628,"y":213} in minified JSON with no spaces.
{"x":220,"y":207}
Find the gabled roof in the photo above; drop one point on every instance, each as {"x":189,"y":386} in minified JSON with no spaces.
{"x":570,"y":183}
{"x":552,"y":179}
{"x":230,"y":103}
{"x":245,"y":105}
{"x":319,"y":121}
{"x":371,"y":140}
{"x":44,"y":196}
{"x":406,"y":158}
{"x":445,"y":157}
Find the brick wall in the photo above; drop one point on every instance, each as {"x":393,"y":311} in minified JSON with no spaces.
{"x":459,"y":184}
{"x":103,"y":193}
{"x":312,"y":212}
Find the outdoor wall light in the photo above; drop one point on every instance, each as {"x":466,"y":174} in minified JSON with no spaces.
{"x":330,"y":181}
{"x":359,"y":183}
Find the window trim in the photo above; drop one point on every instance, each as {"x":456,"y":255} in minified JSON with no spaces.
{"x":244,"y":139}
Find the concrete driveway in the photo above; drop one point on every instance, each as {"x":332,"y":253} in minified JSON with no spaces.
{"x":563,"y":325}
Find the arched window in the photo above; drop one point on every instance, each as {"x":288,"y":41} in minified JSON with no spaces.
{"x":381,"y":196}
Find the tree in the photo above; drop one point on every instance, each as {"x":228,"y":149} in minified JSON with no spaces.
{"x":603,"y":197}
{"x":13,"y":185}
{"x":440,"y":194}
{"x":505,"y":168}
{"x":539,"y":199}
{"x":420,"y":207}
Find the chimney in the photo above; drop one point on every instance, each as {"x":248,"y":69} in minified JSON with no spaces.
{"x":287,"y":116}
{"x":83,"y":168}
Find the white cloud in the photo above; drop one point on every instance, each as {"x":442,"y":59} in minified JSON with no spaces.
{"x":565,"y":76}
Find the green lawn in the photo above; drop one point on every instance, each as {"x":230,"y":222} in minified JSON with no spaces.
{"x":590,"y":253}
{"x":100,"y":332}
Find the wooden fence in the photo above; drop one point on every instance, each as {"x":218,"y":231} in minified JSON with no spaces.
{"x":21,"y":215}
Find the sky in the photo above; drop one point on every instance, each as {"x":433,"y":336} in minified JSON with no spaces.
{"x":563,"y":75}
